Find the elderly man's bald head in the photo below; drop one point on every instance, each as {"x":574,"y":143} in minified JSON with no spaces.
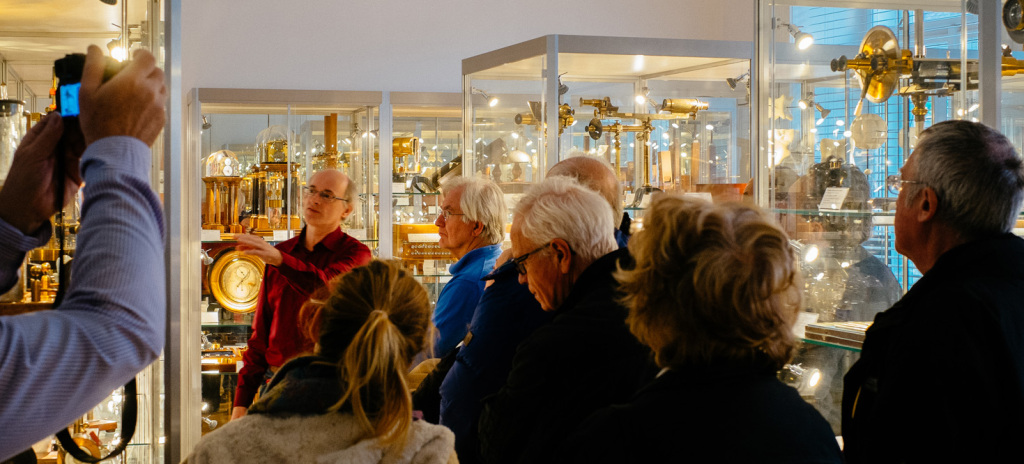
{"x":595,"y":174}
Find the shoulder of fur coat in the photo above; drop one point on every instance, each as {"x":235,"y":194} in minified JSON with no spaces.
{"x":323,"y":439}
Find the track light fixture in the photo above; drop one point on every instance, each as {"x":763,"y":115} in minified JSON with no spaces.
{"x":734,"y":81}
{"x":644,"y":98}
{"x":803,"y":40}
{"x":491,"y":101}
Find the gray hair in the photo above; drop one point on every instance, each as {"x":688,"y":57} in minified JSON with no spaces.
{"x":483,"y":202}
{"x":596,"y":174}
{"x":976,"y":174}
{"x":559,"y":207}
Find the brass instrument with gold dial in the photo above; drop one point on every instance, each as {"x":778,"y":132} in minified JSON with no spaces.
{"x":235,"y":280}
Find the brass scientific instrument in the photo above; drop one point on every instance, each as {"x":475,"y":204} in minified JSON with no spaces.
{"x":329,"y":158}
{"x":274,"y":184}
{"x":533,"y":118}
{"x":235,"y":280}
{"x":400,"y":148}
{"x":880,"y":64}
{"x":685,"y":108}
{"x":222,"y":180}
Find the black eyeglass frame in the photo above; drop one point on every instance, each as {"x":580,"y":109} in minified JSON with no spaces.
{"x":894,"y":183}
{"x":310,"y":191}
{"x":520,"y":261}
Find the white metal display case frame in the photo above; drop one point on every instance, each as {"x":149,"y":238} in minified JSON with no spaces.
{"x":597,"y":59}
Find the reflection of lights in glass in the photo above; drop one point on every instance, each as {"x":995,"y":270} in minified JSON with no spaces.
{"x":533,"y":151}
{"x":630,"y":144}
{"x":640,"y":99}
{"x":118,"y":53}
{"x":802,"y":104}
{"x":840,"y":122}
{"x":814,"y":130}
{"x":819,"y":121}
{"x":684,"y":154}
{"x":529,"y":142}
{"x":675,"y":125}
{"x":665,"y":136}
{"x":844,"y":264}
{"x":709,"y":127}
{"x":638,"y":63}
{"x":478,"y":139}
{"x":847,"y":134}
{"x":974,"y":119}
{"x":593,"y":151}
{"x":960,"y":112}
{"x":821,"y":275}
{"x":812,"y":253}
{"x":515,"y":135}
{"x":434,"y":147}
{"x":973,"y":108}
{"x":835,"y":144}
{"x":815,"y":378}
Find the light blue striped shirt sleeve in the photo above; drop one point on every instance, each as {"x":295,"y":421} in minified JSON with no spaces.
{"x":57,"y":365}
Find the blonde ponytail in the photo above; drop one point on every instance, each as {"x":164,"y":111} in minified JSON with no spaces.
{"x":376,"y":319}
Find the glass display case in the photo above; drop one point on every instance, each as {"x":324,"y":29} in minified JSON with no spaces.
{"x":426,"y":146}
{"x":840,"y":96}
{"x":667,"y":114}
{"x":251,"y":152}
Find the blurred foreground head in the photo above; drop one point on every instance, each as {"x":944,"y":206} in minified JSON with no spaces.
{"x":712,"y":284}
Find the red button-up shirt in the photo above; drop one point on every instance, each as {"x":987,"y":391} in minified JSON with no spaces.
{"x":276,"y":336}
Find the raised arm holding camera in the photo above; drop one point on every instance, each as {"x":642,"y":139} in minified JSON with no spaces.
{"x":56,"y":365}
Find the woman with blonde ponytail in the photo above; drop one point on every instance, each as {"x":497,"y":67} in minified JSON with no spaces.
{"x":350,"y":401}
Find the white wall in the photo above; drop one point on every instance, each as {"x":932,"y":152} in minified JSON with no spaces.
{"x":411,"y":45}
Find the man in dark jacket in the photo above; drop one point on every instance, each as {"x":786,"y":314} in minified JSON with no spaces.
{"x":585,"y":358}
{"x":941,"y":375}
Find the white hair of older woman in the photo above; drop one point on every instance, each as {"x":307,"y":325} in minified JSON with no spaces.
{"x":559,"y":207}
{"x":481,"y":201}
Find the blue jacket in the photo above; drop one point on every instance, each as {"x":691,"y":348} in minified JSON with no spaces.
{"x":459,"y":297}
{"x":506,"y":315}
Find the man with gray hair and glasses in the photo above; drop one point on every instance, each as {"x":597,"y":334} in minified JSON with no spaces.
{"x":471,"y":225}
{"x":941,"y":374}
{"x":584,"y":359}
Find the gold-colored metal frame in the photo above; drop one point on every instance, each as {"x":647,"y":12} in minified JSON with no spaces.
{"x":221,"y":264}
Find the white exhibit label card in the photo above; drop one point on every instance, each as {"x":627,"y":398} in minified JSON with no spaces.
{"x":280,"y":235}
{"x":833,"y":198}
{"x":207,"y":235}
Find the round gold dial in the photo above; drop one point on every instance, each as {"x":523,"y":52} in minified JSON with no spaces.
{"x":235,"y":280}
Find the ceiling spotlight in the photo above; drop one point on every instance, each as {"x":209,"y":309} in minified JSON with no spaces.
{"x":644,"y":98}
{"x":824,"y":111}
{"x":734,"y":81}
{"x":491,"y":101}
{"x":802,"y":39}
{"x":206,"y":124}
{"x":117,"y":51}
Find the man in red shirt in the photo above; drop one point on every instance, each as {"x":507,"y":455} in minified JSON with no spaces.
{"x":295,"y":269}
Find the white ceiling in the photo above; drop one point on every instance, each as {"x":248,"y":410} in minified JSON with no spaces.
{"x":34,"y":33}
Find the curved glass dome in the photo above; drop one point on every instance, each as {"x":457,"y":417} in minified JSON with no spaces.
{"x":222,"y":163}
{"x":272,"y":144}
